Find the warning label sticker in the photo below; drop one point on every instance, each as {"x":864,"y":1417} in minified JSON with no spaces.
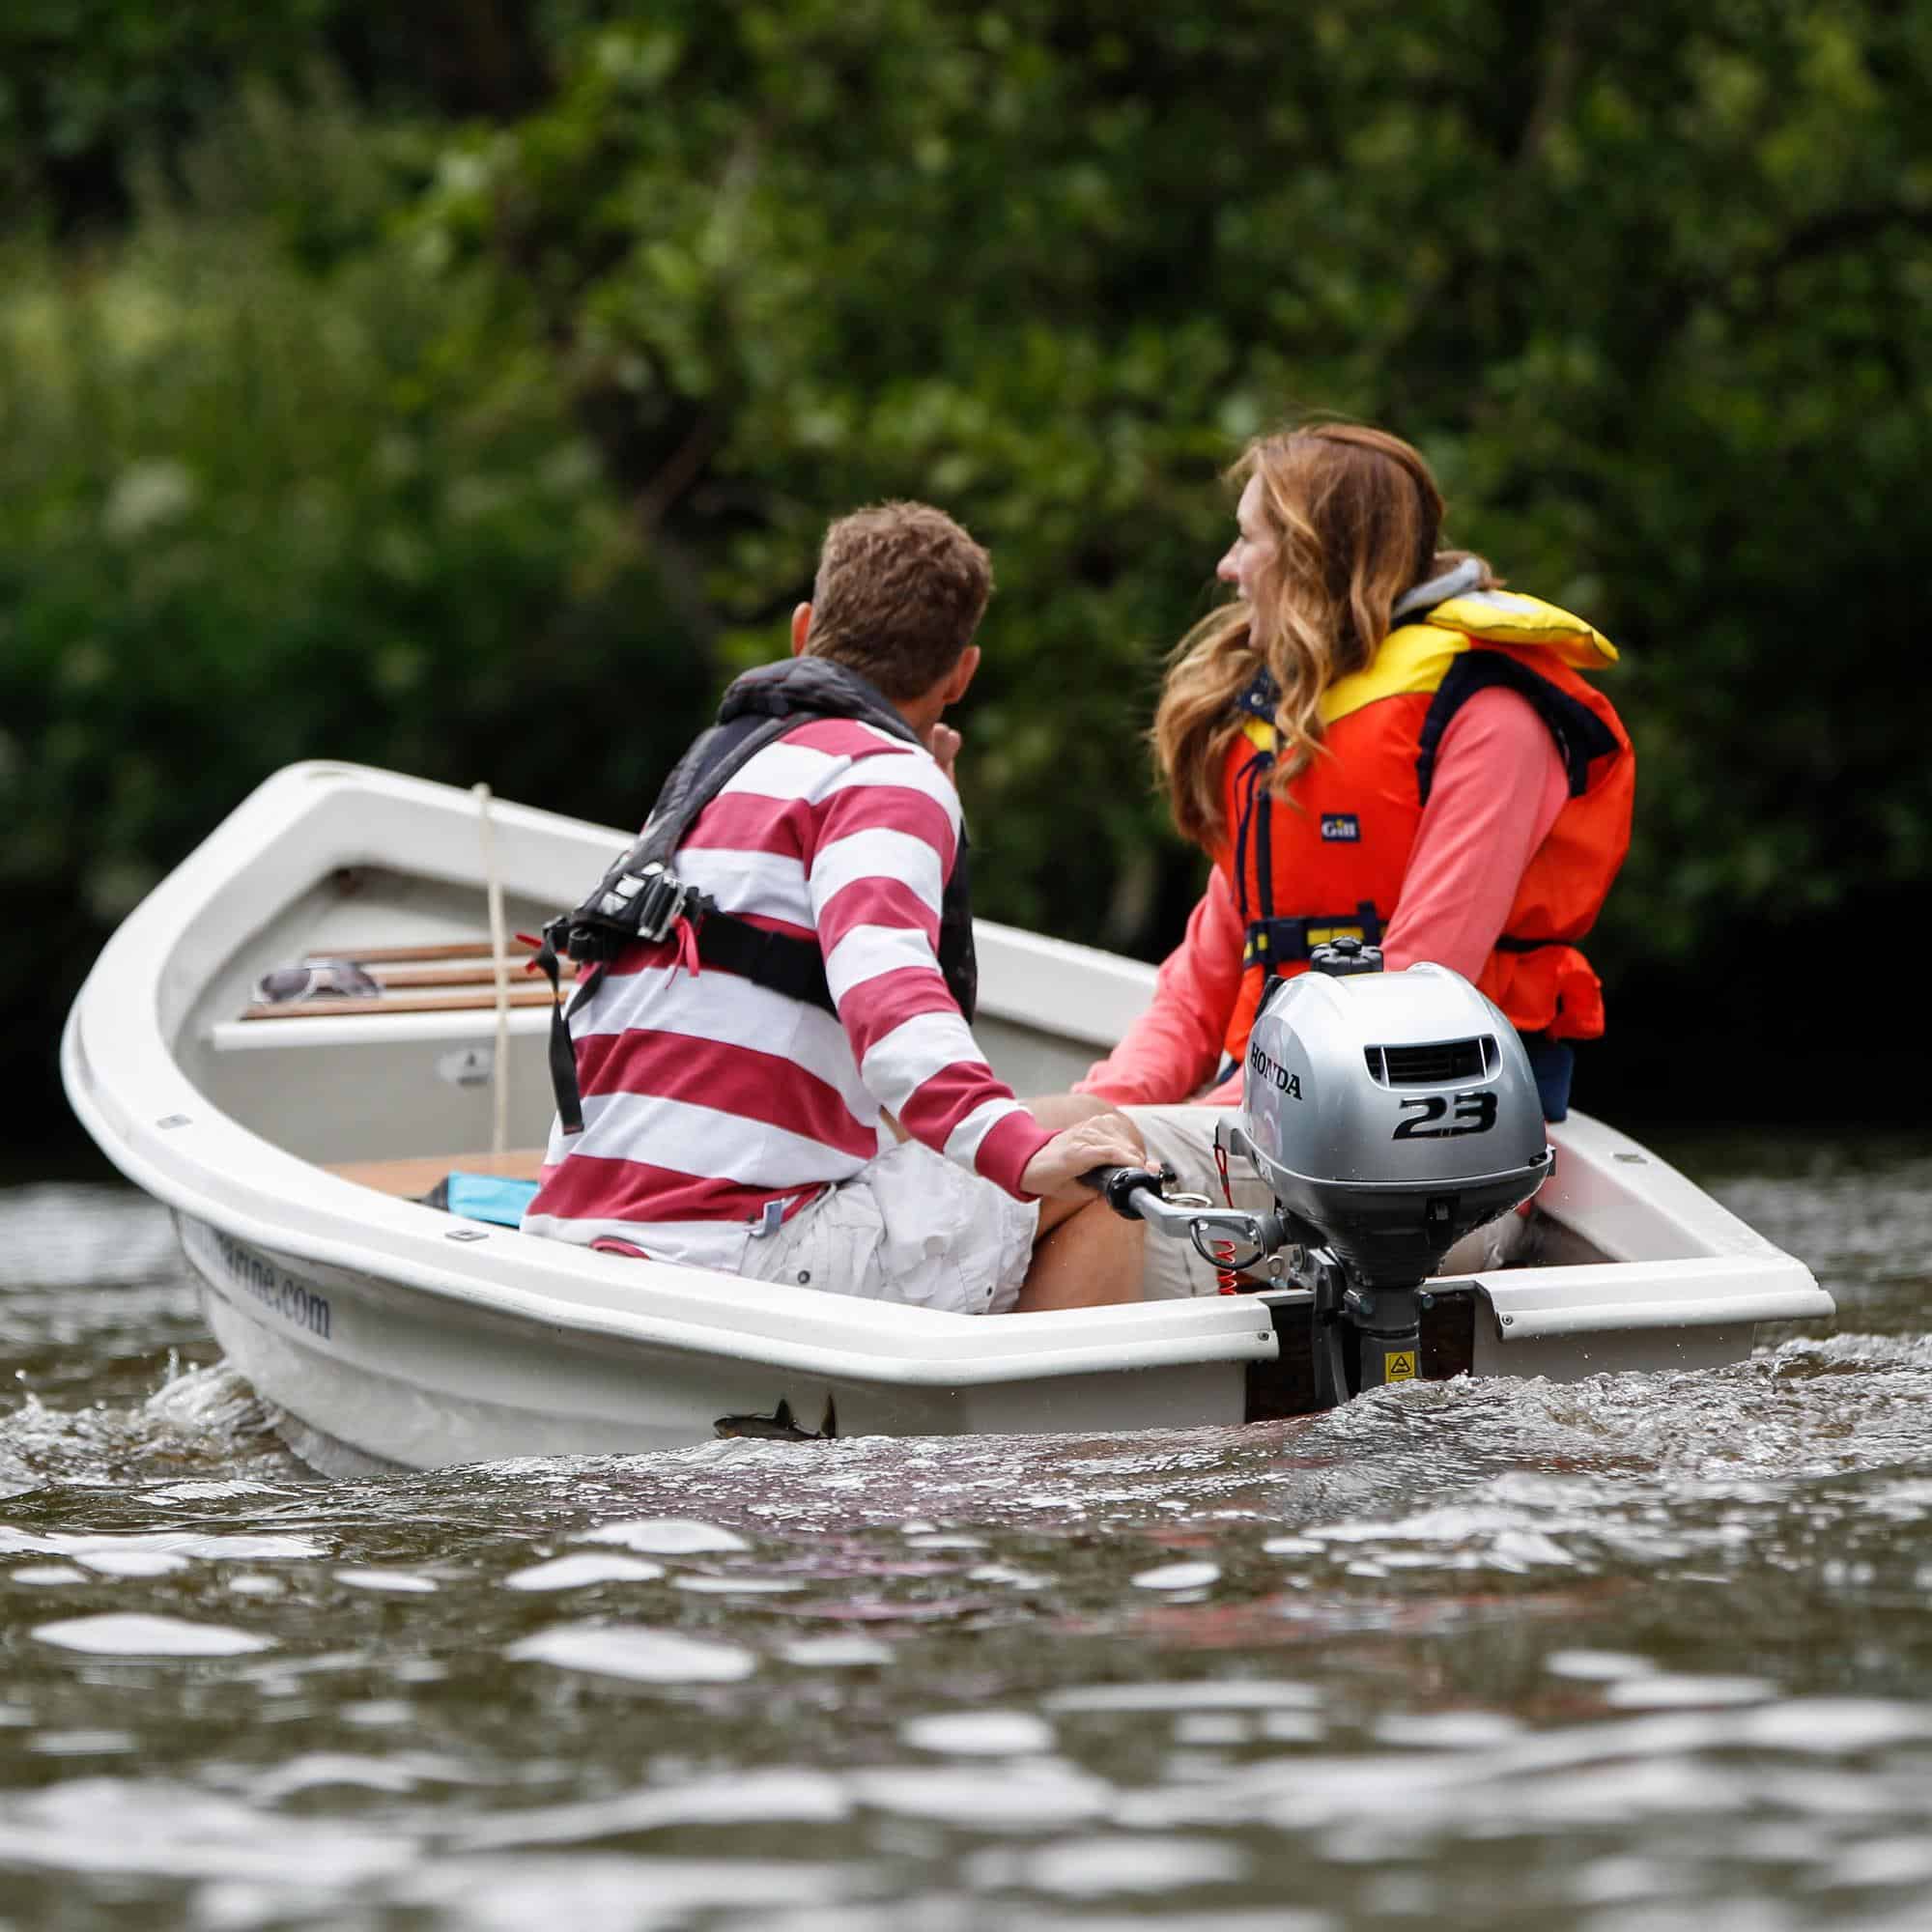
{"x":1401,"y":1366}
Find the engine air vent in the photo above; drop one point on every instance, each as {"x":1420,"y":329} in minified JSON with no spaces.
{"x":1433,"y":1064}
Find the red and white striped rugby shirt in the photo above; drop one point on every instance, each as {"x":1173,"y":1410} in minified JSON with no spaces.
{"x":706,"y":1095}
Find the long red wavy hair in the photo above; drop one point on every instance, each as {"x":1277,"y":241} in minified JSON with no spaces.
{"x":1356,"y":518}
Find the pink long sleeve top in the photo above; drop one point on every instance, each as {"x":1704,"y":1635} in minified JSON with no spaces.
{"x":1499,"y":784}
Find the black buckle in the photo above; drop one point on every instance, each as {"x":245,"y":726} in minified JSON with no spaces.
{"x":647,"y":904}
{"x":1286,"y":942}
{"x":657,"y":902}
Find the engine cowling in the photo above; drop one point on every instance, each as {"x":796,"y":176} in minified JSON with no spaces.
{"x":1393,"y":1112}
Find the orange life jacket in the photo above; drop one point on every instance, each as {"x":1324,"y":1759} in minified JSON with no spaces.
{"x":1329,"y":858}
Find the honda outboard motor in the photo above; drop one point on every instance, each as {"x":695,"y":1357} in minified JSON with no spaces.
{"x":1389,"y":1114}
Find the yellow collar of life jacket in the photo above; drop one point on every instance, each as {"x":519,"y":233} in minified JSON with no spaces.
{"x":1414,"y":656}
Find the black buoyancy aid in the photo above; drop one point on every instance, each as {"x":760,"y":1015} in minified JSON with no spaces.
{"x":640,"y":897}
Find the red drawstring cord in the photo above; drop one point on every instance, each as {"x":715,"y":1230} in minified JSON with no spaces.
{"x":687,"y":944}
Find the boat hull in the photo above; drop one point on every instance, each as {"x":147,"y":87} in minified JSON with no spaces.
{"x":385,"y":1332}
{"x":364,"y":1374}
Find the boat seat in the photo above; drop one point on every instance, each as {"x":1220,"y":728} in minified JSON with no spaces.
{"x":412,"y":1176}
{"x":453,"y":976}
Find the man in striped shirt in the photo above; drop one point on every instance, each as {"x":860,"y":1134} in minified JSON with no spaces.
{"x":734,"y":1125}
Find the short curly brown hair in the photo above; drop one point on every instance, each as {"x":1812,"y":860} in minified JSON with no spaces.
{"x":901,"y":589}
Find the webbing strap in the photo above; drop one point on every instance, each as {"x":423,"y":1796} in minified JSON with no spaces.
{"x":1273,"y":943}
{"x":1248,"y":784}
{"x":562,"y":1054}
{"x":778,"y":960}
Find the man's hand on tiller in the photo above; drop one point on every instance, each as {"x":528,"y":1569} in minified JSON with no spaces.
{"x":1106,"y":1140}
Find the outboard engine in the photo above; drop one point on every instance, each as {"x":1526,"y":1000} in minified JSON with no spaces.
{"x":1389,"y":1114}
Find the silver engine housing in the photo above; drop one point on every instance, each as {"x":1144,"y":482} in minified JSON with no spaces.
{"x":1392,"y":1112}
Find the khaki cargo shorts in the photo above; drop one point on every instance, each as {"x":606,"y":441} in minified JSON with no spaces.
{"x":910,"y":1227}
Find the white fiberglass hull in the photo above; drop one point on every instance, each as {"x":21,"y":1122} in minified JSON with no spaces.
{"x":388,"y":1332}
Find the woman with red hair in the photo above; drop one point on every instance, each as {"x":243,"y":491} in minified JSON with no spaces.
{"x":1372,"y":739}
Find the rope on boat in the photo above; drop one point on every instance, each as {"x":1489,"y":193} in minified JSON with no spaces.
{"x":500,"y":958}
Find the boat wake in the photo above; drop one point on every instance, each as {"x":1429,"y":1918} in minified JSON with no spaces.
{"x":202,"y":1421}
{"x":111,"y":1378}
{"x":1805,"y":1413}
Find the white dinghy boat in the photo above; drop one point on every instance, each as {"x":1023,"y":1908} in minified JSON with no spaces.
{"x":294,"y":1143}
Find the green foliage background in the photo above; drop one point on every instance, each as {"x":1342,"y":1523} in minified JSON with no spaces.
{"x":462,"y":389}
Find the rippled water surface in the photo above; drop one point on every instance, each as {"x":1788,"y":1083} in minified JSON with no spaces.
{"x":1634,"y":1654}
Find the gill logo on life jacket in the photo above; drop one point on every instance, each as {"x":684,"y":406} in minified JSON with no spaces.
{"x":1340,"y":828}
{"x":1273,"y":1072}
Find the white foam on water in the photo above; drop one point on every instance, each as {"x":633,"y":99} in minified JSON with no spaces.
{"x":131,"y":1562}
{"x":738,"y":1586}
{"x":46,"y":1574}
{"x":1490,"y":1535}
{"x":1882,"y":1861}
{"x":781,"y":1795}
{"x":609,"y":1892}
{"x":1293,"y":1727}
{"x":1832,"y":1726}
{"x":193,"y":1545}
{"x":1031,"y":1796}
{"x":218,"y":1491}
{"x":135,"y":1634}
{"x":1619,"y":1880}
{"x":378,"y":1713}
{"x":206,"y":1414}
{"x":667,"y":1536}
{"x":979,"y":1733}
{"x":1594,"y":1666}
{"x":835,"y":1653}
{"x":578,"y":1573}
{"x":1005,"y":1573}
{"x":635,"y":1652}
{"x":1196,"y":1729}
{"x":1117,"y":1862}
{"x":1206,"y":1693}
{"x":316,"y":1770}
{"x":395,"y":1582}
{"x":155,"y":1828}
{"x":81,"y":1744}
{"x":213,"y":1403}
{"x":1664,"y":1691}
{"x":1446,"y":1730}
{"x":1178,"y":1576}
{"x":945,"y":1912}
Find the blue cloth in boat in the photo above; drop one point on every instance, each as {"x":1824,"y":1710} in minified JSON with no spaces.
{"x":486,"y":1197}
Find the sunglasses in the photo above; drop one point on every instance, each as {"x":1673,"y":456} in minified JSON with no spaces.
{"x":315,"y":977}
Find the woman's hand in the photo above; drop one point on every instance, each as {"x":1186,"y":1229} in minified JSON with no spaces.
{"x":1107,"y":1139}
